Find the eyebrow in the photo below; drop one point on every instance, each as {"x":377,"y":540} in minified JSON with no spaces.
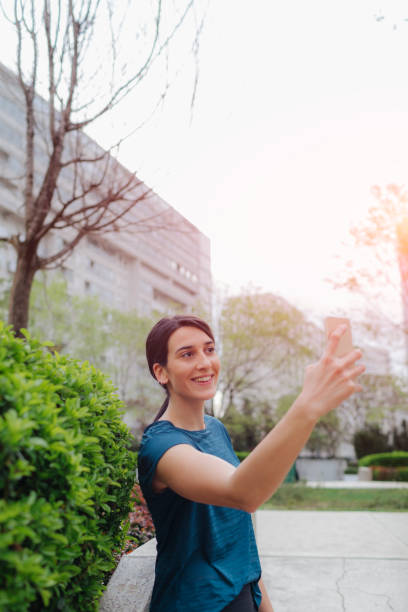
{"x":190,"y":346}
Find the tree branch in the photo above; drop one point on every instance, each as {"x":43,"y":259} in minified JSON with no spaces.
{"x":124,"y":89}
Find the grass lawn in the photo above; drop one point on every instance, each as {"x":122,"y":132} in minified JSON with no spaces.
{"x":300,"y":497}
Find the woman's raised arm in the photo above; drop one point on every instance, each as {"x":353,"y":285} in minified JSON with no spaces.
{"x":207,"y":479}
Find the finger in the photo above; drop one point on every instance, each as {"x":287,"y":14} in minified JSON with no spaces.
{"x":353,"y":387}
{"x":351,"y":357}
{"x":334,"y":339}
{"x":355,"y":372}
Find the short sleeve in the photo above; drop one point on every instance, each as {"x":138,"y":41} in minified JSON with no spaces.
{"x":155,"y":442}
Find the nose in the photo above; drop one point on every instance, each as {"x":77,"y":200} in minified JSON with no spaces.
{"x":203,"y":360}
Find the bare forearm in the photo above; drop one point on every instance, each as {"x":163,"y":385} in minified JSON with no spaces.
{"x":266,"y":466}
{"x":266,"y":605}
{"x":327,"y":383}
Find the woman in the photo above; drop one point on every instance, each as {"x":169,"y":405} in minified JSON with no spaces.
{"x":198,"y":493}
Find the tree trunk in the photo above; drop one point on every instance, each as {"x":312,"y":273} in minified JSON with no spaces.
{"x":20,"y":291}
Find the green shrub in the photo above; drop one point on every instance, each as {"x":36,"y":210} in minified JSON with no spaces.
{"x":65,"y":479}
{"x":395,"y":459}
{"x":242,"y":455}
{"x":351,"y":469}
{"x":402,"y":474}
{"x":390,"y":473}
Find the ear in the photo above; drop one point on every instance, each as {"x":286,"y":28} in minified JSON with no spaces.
{"x":160,"y":374}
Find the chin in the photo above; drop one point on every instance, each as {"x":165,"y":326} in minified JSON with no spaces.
{"x":205,"y":395}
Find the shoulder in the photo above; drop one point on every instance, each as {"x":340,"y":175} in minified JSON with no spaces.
{"x":217,"y":430}
{"x":215,"y":424}
{"x":156,"y":440}
{"x":212,"y":422}
{"x":161,"y":434}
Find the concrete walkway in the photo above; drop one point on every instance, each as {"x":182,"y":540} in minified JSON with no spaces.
{"x":311,"y":561}
{"x":334,"y":561}
{"x":357,"y":484}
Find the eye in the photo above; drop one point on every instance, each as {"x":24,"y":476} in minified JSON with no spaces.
{"x":186,"y":354}
{"x":211,"y":349}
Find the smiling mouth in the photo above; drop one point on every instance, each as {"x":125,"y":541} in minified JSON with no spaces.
{"x":202,"y":380}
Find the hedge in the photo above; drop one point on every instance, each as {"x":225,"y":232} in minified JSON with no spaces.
{"x":394,"y":459}
{"x":66,"y":473}
{"x":399,"y":474}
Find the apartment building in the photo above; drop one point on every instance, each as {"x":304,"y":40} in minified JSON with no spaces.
{"x":161,"y":262}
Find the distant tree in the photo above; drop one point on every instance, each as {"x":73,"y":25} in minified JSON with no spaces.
{"x":144,"y":403}
{"x":370,"y":440}
{"x":111,"y":340}
{"x":284,"y":403}
{"x":4,"y":298}
{"x":248,"y":425}
{"x":400,"y":437}
{"x":51,"y":313}
{"x":78,"y":325}
{"x":377,"y":265}
{"x":75,"y":48}
{"x":327,"y":434}
{"x":91,"y":335}
{"x":265,"y":343}
{"x":383,"y":401}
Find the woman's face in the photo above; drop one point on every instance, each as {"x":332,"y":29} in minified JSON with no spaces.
{"x":192,"y":365}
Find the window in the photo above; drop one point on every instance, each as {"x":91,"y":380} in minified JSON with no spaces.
{"x":101,"y":271}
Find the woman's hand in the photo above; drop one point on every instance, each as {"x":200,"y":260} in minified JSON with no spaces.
{"x":332,"y":379}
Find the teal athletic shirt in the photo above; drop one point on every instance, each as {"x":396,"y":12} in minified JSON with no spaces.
{"x":205,"y":553}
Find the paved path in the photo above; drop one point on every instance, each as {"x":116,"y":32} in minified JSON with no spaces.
{"x":334,"y":561}
{"x":357,"y":484}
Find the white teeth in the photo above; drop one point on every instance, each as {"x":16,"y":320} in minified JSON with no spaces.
{"x":203,"y":379}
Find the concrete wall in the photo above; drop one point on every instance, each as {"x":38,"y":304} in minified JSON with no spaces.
{"x":131,"y":584}
{"x":320,"y":469}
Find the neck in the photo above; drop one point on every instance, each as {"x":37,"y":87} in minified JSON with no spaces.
{"x":185,"y":414}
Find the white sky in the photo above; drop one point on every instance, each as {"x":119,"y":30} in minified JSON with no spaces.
{"x":301,"y":108}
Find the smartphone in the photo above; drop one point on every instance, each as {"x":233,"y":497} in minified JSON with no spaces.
{"x":346,"y":343}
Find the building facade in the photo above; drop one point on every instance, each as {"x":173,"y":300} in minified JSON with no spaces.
{"x":161,"y":262}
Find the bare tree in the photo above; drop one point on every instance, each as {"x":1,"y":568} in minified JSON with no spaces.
{"x":80,"y":190}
